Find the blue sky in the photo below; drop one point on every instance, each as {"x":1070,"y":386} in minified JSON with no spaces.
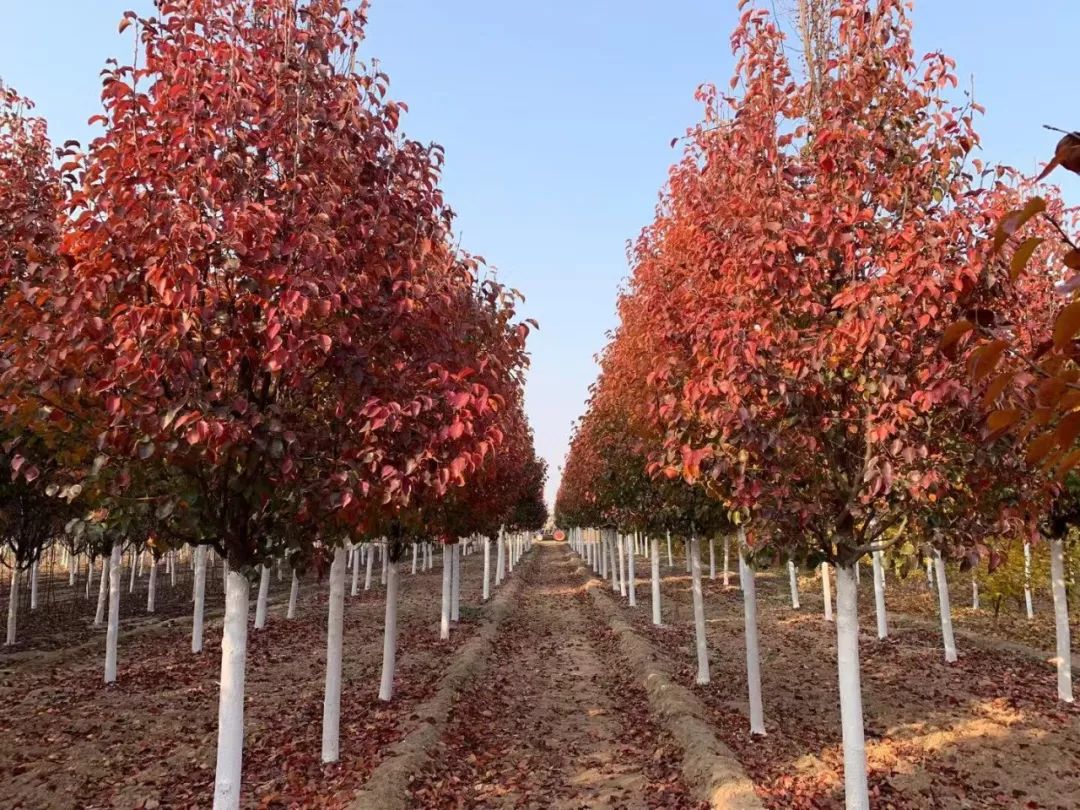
{"x":557,"y":118}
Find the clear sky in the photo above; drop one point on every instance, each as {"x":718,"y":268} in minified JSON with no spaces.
{"x":557,"y":117}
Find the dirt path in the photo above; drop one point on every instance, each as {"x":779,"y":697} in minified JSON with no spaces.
{"x":557,"y":723}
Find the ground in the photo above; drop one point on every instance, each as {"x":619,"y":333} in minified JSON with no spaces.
{"x":556,"y":720}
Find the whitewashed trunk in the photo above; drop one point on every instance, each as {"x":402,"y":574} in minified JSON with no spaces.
{"x":511,"y":543}
{"x":856,"y":792}
{"x":355,"y":555}
{"x":670,"y":560}
{"x":487,"y":569}
{"x":1027,"y":580}
{"x":500,"y":561}
{"x":929,"y":574}
{"x":1061,"y":620}
{"x":260,"y":604}
{"x":230,"y":741}
{"x":793,"y":582}
{"x":382,"y":558}
{"x":631,"y":578}
{"x":389,"y":650}
{"x":135,"y":557}
{"x":750,"y":630}
{"x":727,"y":559}
{"x":151,"y":588}
{"x":712,"y":558}
{"x":826,"y":590}
{"x":114,"y":616}
{"x":103,"y":589}
{"x":13,"y":606}
{"x":335,"y":628}
{"x":73,"y":564}
{"x":294,"y":591}
{"x":200,"y":599}
{"x":613,"y":563}
{"x":455,"y":585}
{"x":447,"y":586}
{"x":656,"y":618}
{"x":974,"y":593}
{"x":689,"y":565}
{"x":414,"y":557}
{"x":367,"y":572}
{"x":33,"y":585}
{"x":879,"y":596}
{"x":699,"y":614}
{"x":945,"y":609}
{"x":89,"y":575}
{"x":601,"y":543}
{"x":620,"y":548}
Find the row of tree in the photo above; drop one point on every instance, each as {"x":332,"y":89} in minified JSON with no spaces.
{"x":238,"y":320}
{"x":788,"y":368}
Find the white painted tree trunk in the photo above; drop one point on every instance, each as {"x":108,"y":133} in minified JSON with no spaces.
{"x":945,"y":609}
{"x":455,"y":585}
{"x":33,"y":585}
{"x":414,"y":557}
{"x":13,"y":605}
{"x":500,"y":560}
{"x":656,"y":617}
{"x":699,"y":614}
{"x":294,"y":591}
{"x":856,"y":792}
{"x":689,"y":565}
{"x":929,"y":574}
{"x":89,"y":575}
{"x":613,"y":563}
{"x":631,"y":578}
{"x":172,"y":569}
{"x":1027,"y":580}
{"x":367,"y":572}
{"x":974,"y":592}
{"x":1061,"y":620}
{"x":487,"y":569}
{"x":151,"y":588}
{"x":793,"y":582}
{"x":103,"y":589}
{"x":601,"y":547}
{"x":114,"y":615}
{"x":355,"y":555}
{"x":712,"y":558}
{"x":620,"y":548}
{"x":335,"y":628}
{"x":727,"y":559}
{"x":260,"y":604}
{"x":382,"y":558}
{"x":750,"y":630}
{"x":670,"y":559}
{"x":511,"y":543}
{"x":200,"y":599}
{"x":826,"y":590}
{"x":447,"y":586}
{"x":230,"y":741}
{"x":879,"y":596}
{"x":134,"y":564}
{"x":389,"y":649}
{"x":73,"y":564}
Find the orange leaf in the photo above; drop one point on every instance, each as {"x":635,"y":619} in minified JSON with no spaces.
{"x":996,"y":386}
{"x":1000,"y":421}
{"x":1014,"y":220}
{"x":985,"y":358}
{"x":953,"y":333}
{"x":1067,"y":325}
{"x":1068,"y":429}
{"x":1039,"y":447}
{"x":1023,"y":256}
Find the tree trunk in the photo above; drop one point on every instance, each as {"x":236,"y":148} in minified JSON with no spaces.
{"x":370,"y":552}
{"x":656,"y":618}
{"x":455,"y":584}
{"x":200,"y":599}
{"x":1061,"y":620}
{"x":230,"y":741}
{"x":382,"y":560}
{"x":793,"y":581}
{"x":487,"y":569}
{"x":103,"y":589}
{"x":114,"y":615}
{"x":879,"y":596}
{"x":355,"y":556}
{"x":727,"y":559}
{"x":389,"y":650}
{"x":260,"y":604}
{"x":293,"y":593}
{"x":712,"y":558}
{"x":89,"y":575}
{"x":974,"y":592}
{"x":856,"y":793}
{"x":151,"y":588}
{"x":447,"y":586}
{"x":686,"y":548}
{"x":620,"y":548}
{"x":134,"y":565}
{"x":670,"y":561}
{"x":699,"y":614}
{"x":1027,"y":580}
{"x":13,"y":605}
{"x":631,"y":576}
{"x":750,"y":630}
{"x":331,"y":716}
{"x":414,"y":558}
{"x":826,"y":590}
{"x":172,"y":569}
{"x":945,"y":609}
{"x":613,"y":563}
